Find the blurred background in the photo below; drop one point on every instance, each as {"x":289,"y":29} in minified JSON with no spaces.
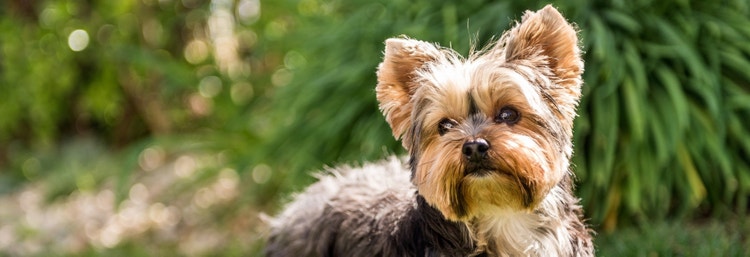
{"x":167,"y":127}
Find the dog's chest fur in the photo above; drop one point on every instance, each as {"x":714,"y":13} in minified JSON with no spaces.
{"x":547,"y":231}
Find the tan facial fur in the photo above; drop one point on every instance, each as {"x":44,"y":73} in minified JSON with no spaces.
{"x":534,"y":69}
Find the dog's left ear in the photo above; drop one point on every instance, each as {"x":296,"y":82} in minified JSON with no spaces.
{"x":544,"y":38}
{"x":402,"y":59}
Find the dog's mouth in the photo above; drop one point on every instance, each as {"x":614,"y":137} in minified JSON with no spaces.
{"x":479,"y":171}
{"x":483,"y":169}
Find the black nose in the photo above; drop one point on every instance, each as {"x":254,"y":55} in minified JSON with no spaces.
{"x":475,"y":149}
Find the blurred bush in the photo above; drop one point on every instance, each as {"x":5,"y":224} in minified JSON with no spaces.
{"x":112,"y":69}
{"x":125,"y":72}
{"x":287,"y":87}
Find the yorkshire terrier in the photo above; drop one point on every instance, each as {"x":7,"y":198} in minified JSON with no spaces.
{"x":489,"y":142}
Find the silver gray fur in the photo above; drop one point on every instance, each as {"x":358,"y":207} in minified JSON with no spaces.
{"x":375,"y":211}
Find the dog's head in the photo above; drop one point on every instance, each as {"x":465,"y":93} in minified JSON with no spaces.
{"x":492,"y":130}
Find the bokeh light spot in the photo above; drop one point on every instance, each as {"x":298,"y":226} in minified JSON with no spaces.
{"x":78,"y":40}
{"x":153,"y":32}
{"x":241,"y":93}
{"x":210,"y":86}
{"x":49,"y":17}
{"x":31,"y":168}
{"x":308,"y":7}
{"x":276,"y":29}
{"x":151,"y":158}
{"x":281,"y":77}
{"x":248,"y":11}
{"x":204,"y":198}
{"x":184,"y":166}
{"x":139,"y":193}
{"x":200,"y":105}
{"x":261,"y":173}
{"x":196,"y":51}
{"x":294,"y":60}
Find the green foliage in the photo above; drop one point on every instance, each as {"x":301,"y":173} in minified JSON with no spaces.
{"x":128,"y":79}
{"x":675,"y":238}
{"x":661,"y":130}
{"x":662,"y":122}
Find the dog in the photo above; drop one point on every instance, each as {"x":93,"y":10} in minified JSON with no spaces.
{"x":489,"y":138}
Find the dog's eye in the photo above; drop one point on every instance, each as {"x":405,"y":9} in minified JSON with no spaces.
{"x":445,"y":125}
{"x":508,"y":115}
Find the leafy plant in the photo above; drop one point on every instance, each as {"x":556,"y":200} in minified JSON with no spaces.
{"x":662,"y":128}
{"x":113,"y":70}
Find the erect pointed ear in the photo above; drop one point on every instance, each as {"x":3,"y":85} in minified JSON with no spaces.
{"x":545,"y":35}
{"x":396,"y":74}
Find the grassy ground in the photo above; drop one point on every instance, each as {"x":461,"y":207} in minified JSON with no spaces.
{"x":678,"y":238}
{"x":178,"y":202}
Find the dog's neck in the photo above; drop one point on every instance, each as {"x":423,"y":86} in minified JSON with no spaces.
{"x":546,"y":231}
{"x":550,"y":230}
{"x":425,"y":232}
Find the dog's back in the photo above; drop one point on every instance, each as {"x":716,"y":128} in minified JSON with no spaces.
{"x":344,"y":213}
{"x":369,"y":211}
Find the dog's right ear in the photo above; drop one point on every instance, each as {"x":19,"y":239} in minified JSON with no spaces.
{"x":396,"y":85}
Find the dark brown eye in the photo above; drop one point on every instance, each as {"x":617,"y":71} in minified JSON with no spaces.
{"x":508,"y":115}
{"x":445,"y":125}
